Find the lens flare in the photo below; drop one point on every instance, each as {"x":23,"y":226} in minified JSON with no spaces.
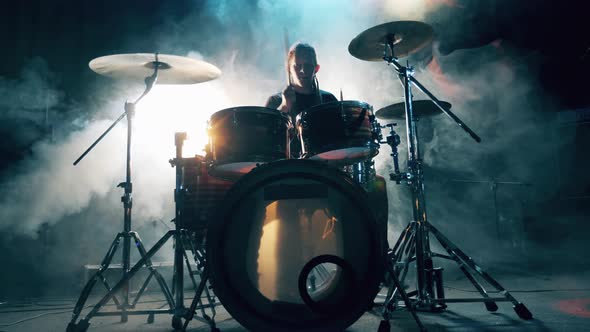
{"x":168,"y":109}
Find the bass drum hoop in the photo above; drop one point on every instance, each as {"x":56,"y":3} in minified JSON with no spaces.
{"x":232,"y":299}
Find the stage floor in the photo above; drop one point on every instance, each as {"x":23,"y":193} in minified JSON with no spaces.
{"x":559,"y":301}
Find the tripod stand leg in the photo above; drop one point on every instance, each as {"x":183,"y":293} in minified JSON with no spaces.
{"x":178,"y":277}
{"x":197,"y":299}
{"x":189,"y":313}
{"x":104,"y":265}
{"x":153,"y":271}
{"x":384,"y":325}
{"x":403,"y":237}
{"x":190,"y":271}
{"x":125,"y":279}
{"x":183,"y":242}
{"x":463,"y":260}
{"x":404,"y":248}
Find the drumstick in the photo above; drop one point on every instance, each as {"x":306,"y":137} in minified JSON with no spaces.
{"x":291,"y":131}
{"x":286,"y":40}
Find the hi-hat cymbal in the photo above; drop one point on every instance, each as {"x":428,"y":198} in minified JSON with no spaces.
{"x":408,"y":37}
{"x":420,"y":108}
{"x":172,"y":69}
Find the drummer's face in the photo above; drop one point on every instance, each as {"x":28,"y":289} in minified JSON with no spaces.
{"x":303,"y":69}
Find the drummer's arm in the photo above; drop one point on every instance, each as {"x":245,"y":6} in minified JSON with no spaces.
{"x":287,"y":99}
{"x":283,"y":108}
{"x":275,"y":102}
{"x":328,"y":97}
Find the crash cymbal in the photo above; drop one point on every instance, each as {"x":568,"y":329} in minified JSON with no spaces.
{"x":420,"y":108}
{"x":409,"y":37}
{"x":172,"y":69}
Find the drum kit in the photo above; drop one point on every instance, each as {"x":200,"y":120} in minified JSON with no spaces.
{"x":290,"y":244}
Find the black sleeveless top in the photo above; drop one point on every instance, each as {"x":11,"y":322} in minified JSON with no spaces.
{"x":302,"y":102}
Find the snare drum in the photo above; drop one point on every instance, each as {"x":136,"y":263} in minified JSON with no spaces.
{"x":242,"y":137}
{"x":340,"y":132}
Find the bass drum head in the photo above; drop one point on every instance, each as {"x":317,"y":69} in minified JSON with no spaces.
{"x":295,"y":247}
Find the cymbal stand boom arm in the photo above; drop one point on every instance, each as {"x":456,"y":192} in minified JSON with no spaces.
{"x":129,"y":110}
{"x":401,"y":69}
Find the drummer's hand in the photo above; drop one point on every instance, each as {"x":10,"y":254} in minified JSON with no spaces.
{"x":288,"y":99}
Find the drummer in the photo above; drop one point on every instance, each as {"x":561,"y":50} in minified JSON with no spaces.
{"x":303,"y":91}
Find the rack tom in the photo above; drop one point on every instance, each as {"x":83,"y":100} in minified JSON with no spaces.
{"x":342,"y":132}
{"x":242,"y":137}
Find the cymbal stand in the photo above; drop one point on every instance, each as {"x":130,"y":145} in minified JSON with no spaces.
{"x":413,"y":244}
{"x":123,"y":285}
{"x":124,"y":305}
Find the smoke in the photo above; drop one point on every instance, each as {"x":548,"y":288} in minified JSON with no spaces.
{"x":246,"y":41}
{"x":23,"y":105}
{"x":496,"y":95}
{"x":38,"y":192}
{"x":489,"y":189}
{"x":52,"y":188}
{"x":493,"y":89}
{"x":34,"y":91}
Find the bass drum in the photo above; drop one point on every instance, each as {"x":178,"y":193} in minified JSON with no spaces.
{"x":295,"y":248}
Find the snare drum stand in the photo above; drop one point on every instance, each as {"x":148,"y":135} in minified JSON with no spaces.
{"x":183,"y":241}
{"x":414,"y":242}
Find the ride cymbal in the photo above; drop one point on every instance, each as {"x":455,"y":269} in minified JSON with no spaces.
{"x":420,"y":108}
{"x":408,"y":37}
{"x":172,"y":69}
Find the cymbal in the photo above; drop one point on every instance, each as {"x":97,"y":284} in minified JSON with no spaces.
{"x":172,"y":69}
{"x":420,"y":108}
{"x":409,"y":37}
